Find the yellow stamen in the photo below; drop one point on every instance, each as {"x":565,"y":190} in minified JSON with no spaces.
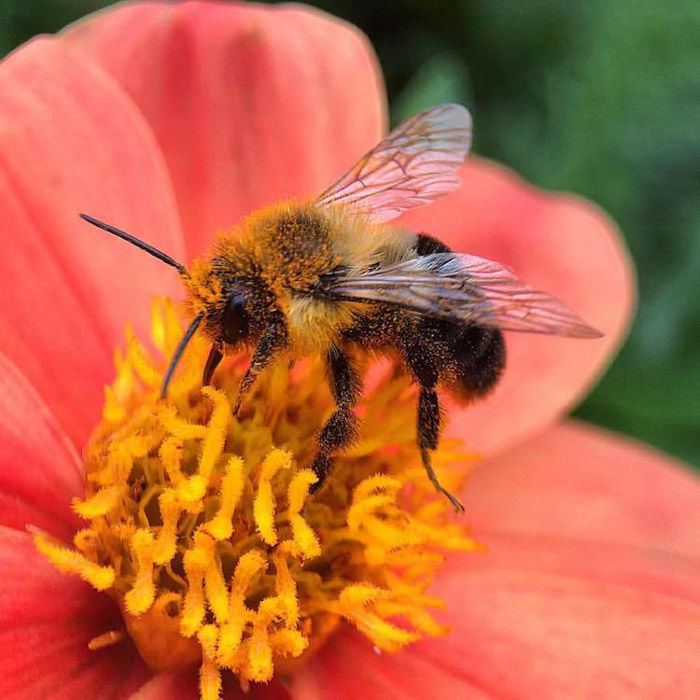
{"x":170,"y":455}
{"x":193,"y":611}
{"x":166,"y":542}
{"x":216,"y":431}
{"x":286,"y":589}
{"x":260,"y":651}
{"x":100,"y":504}
{"x":221,"y":526}
{"x":209,"y":676}
{"x":71,"y":562}
{"x":298,"y":492}
{"x":143,"y":593}
{"x":209,"y":680}
{"x":204,"y":528}
{"x":264,"y":504}
{"x":107,"y":639}
{"x":249,"y":565}
{"x":215,"y":585}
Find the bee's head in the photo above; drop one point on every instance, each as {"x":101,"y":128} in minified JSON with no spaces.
{"x":222,"y":304}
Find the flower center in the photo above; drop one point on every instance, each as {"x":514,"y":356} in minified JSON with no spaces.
{"x":203,"y":529}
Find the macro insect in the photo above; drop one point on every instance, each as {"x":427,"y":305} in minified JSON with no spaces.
{"x":329,"y":276}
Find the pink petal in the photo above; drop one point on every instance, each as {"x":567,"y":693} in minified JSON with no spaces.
{"x":46,"y":621}
{"x":71,"y":141}
{"x":348,"y":667}
{"x":577,"y":481}
{"x":185,"y":686}
{"x":582,"y":591}
{"x":557,"y":243}
{"x":170,"y":686}
{"x":39,"y":469}
{"x":521,"y":636}
{"x":651,"y":570}
{"x":250,"y":104}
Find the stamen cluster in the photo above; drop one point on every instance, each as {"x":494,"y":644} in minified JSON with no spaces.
{"x":203,"y":528}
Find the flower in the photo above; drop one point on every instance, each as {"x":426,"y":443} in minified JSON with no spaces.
{"x":173,"y":121}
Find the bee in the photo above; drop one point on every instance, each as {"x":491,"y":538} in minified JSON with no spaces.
{"x":330,"y":276}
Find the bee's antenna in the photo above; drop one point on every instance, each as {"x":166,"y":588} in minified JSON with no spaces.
{"x":135,"y":241}
{"x":178,"y":353}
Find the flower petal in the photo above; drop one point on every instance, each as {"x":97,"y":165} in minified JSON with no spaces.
{"x":39,"y":468}
{"x":47,"y":619}
{"x":184,"y":686}
{"x":559,"y":244}
{"x":169,"y":686}
{"x":349,"y":667}
{"x":522,"y":636}
{"x":582,"y":591}
{"x":71,"y":141}
{"x":250,"y":104}
{"x":577,"y":481}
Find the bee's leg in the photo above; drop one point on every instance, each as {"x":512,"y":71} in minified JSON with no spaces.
{"x":340,"y":429}
{"x":273,"y":340}
{"x":429,"y":417}
{"x":428,"y":427}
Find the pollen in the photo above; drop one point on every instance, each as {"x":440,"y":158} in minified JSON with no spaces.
{"x":214,"y":537}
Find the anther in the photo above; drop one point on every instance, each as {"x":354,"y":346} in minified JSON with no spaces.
{"x":286,"y":590}
{"x":193,"y":607}
{"x":70,"y":561}
{"x":216,"y":431}
{"x":101,"y":503}
{"x":142,"y":594}
{"x":166,"y":542}
{"x":264,"y":504}
{"x":215,"y":585}
{"x":297,"y":494}
{"x":221,"y":526}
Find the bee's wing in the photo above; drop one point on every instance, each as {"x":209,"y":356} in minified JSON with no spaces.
{"x":414,"y":165}
{"x":463,"y":288}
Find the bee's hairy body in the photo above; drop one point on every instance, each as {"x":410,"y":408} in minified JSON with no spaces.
{"x":327,"y":276}
{"x":275,"y":265}
{"x":280,"y":257}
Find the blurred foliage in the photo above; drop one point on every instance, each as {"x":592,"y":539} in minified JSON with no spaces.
{"x":600,"y":98}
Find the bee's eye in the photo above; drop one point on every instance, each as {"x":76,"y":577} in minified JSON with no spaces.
{"x":235,"y":319}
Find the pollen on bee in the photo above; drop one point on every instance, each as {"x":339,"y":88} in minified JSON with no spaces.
{"x":204,"y":528}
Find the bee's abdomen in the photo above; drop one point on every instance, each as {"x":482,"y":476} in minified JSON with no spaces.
{"x":470,"y":357}
{"x":476,"y":358}
{"x":427,"y":245}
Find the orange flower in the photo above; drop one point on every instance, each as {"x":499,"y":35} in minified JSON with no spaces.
{"x":175,"y":120}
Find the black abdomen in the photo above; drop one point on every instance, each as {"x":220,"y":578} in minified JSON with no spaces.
{"x":469,"y":357}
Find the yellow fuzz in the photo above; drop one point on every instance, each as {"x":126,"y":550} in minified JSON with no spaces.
{"x":203,"y":527}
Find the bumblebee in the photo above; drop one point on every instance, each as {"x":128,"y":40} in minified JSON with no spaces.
{"x":330,"y":276}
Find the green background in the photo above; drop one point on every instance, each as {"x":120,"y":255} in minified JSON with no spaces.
{"x":599,"y":98}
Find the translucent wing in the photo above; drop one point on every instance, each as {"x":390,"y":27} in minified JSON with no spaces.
{"x":463,"y":288}
{"x":414,"y":165}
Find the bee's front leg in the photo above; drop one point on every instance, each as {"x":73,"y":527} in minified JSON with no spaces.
{"x":273,"y":340}
{"x":340,"y":429}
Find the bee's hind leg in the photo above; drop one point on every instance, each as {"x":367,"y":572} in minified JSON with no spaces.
{"x":340,"y":429}
{"x":429,"y":417}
